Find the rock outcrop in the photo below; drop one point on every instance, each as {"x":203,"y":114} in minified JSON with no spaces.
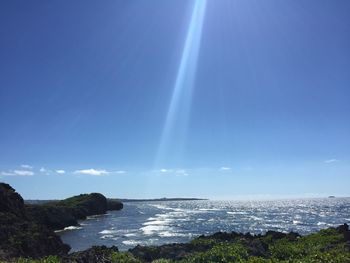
{"x":100,"y":254}
{"x":54,"y":217}
{"x":19,"y":236}
{"x":113,"y":204}
{"x":28,"y":230}
{"x":60,"y":214}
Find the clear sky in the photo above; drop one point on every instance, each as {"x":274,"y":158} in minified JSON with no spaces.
{"x":138,"y":99}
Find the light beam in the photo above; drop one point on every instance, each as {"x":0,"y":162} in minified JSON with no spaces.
{"x":176,"y":122}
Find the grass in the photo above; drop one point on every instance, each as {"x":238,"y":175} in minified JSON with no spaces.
{"x":326,"y":246}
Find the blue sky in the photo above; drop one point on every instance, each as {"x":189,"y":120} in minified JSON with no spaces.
{"x":219,"y":99}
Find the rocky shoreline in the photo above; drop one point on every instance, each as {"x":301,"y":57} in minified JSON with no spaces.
{"x":28,"y":230}
{"x":27,"y":236}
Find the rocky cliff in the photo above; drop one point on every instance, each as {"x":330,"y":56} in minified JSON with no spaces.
{"x":19,"y":236}
{"x":60,"y":214}
{"x":28,"y":230}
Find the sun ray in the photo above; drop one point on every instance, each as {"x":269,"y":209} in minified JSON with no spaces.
{"x":179,"y":108}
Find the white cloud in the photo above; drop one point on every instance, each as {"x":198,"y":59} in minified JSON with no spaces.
{"x":172,"y":172}
{"x":26,"y":166}
{"x":91,"y":172}
{"x":225,"y":168}
{"x":60,"y":171}
{"x":331,"y":161}
{"x":43,"y":170}
{"x":23,"y":173}
{"x":120,"y":172}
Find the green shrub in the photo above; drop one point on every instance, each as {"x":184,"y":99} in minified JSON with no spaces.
{"x":123,"y":257}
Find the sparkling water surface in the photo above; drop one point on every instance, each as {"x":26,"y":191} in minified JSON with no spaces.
{"x":156,"y":223}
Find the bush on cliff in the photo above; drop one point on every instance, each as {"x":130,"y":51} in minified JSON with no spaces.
{"x":85,"y":205}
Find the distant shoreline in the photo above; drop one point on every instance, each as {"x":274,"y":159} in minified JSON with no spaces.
{"x":160,"y":199}
{"x":126,"y":200}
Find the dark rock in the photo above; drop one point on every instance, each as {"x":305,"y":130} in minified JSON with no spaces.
{"x":60,"y":214}
{"x":114,"y":205}
{"x":10,"y":201}
{"x":85,"y":205}
{"x":54,"y":217}
{"x":344,"y":229}
{"x":21,"y":237}
{"x":100,"y":254}
{"x":27,"y":230}
{"x":223,"y":236}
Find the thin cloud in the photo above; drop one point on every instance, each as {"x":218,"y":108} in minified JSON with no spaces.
{"x":332,"y":161}
{"x":23,"y":173}
{"x":26,"y":166}
{"x":60,"y":171}
{"x":181,"y":172}
{"x":91,"y":172}
{"x":18,"y":173}
{"x":120,"y":172}
{"x":225,"y":168}
{"x":172,"y":172}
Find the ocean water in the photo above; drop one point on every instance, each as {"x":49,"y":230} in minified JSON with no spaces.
{"x":156,"y":223}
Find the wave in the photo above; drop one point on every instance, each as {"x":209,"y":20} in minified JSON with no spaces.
{"x":153,"y":229}
{"x":108,"y":232}
{"x":68,"y":228}
{"x":130,"y":242}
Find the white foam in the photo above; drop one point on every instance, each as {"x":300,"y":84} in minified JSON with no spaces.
{"x":236,"y":213}
{"x":209,"y":209}
{"x":108,"y":232}
{"x":95,"y":216}
{"x":130,"y":242}
{"x":157,"y":222}
{"x":256,"y":218}
{"x":296,"y":222}
{"x":153,"y":229}
{"x":130,"y":235}
{"x":72,"y":228}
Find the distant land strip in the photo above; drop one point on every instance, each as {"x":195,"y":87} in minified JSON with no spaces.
{"x":38,"y":201}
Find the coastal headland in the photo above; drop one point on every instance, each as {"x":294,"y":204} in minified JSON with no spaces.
{"x":27,"y":235}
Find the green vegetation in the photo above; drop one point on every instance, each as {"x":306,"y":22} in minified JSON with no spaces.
{"x":124,"y":257}
{"x":26,"y":232}
{"x":328,"y":246}
{"x":325,"y":246}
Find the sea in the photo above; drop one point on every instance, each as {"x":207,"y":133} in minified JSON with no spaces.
{"x":157,"y":223}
